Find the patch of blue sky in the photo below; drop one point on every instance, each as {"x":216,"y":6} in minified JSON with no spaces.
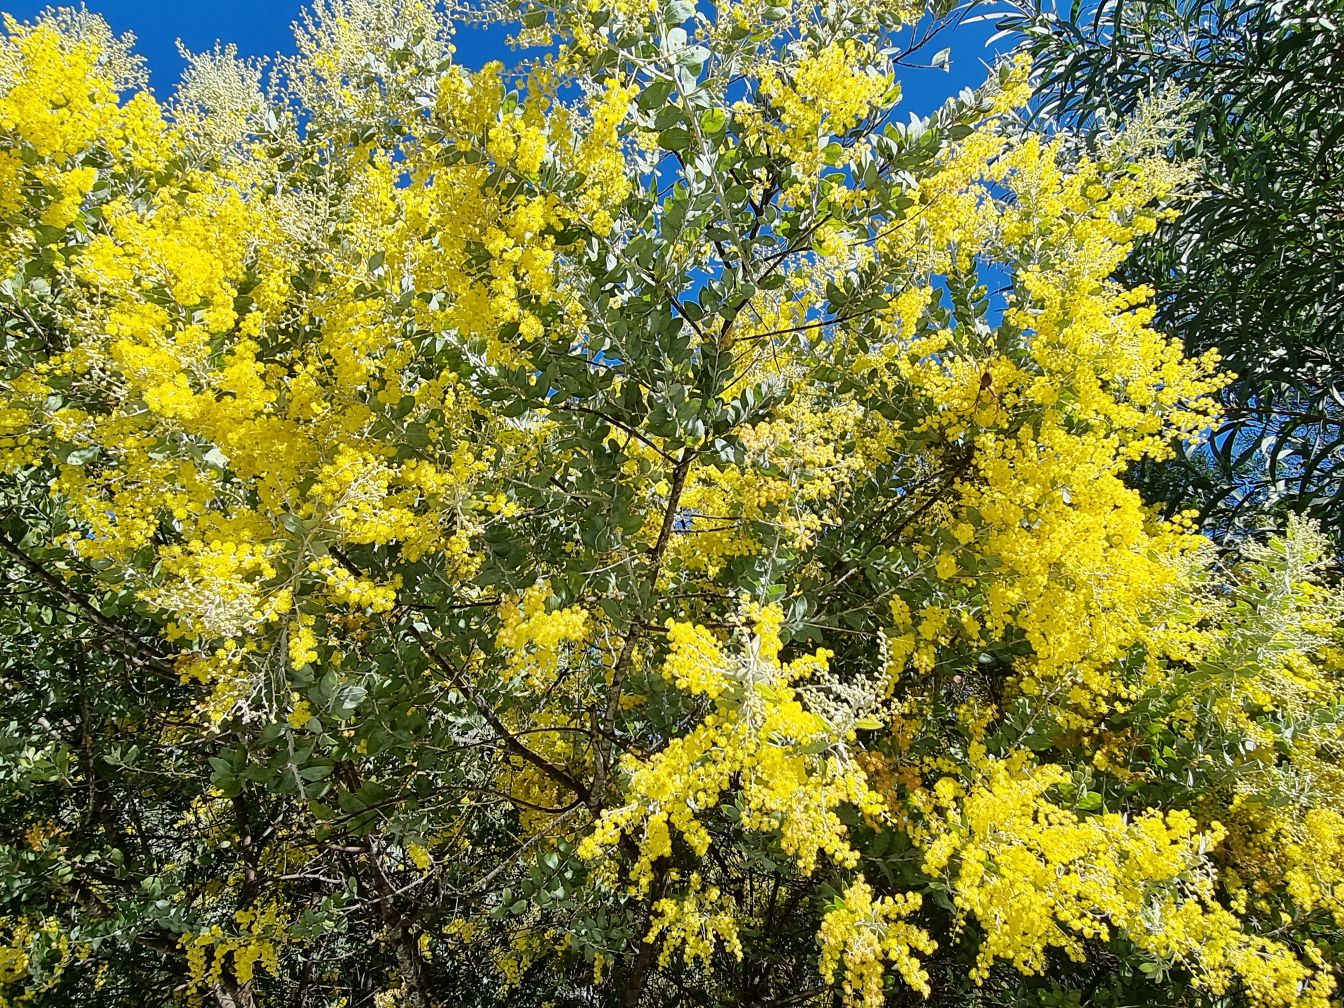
{"x":264,"y":28}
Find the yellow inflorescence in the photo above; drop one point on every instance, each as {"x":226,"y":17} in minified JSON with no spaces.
{"x":791,"y":769}
{"x":862,"y":934}
{"x":257,"y":939}
{"x":694,"y":925}
{"x":535,"y":639}
{"x":1038,"y":877}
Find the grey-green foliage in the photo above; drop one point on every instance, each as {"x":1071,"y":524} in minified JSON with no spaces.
{"x":1254,"y":266}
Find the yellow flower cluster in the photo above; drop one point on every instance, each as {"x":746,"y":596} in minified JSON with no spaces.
{"x":1067,"y":555}
{"x":694,"y":924}
{"x":354,"y":591}
{"x":695,"y":661}
{"x":258,"y":939}
{"x":541,"y":648}
{"x":35,"y":955}
{"x":1316,"y":879}
{"x":535,"y":639}
{"x":14,"y":956}
{"x":821,"y":95}
{"x":786,"y":766}
{"x":61,"y":91}
{"x":860,"y":933}
{"x":214,"y":591}
{"x":228,"y":424}
{"x":458,"y":208}
{"x":1037,"y":877}
{"x":419,"y":856}
{"x":799,"y":462}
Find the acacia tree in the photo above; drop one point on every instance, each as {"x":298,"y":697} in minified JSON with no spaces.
{"x":586,"y":535}
{"x":1254,"y":265}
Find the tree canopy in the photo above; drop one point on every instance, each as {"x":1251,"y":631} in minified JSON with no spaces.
{"x":646,"y":526}
{"x":1254,"y":264}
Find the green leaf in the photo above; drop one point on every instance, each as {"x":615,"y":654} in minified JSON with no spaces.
{"x":676,"y":139}
{"x":713,"y":120}
{"x":655,"y":95}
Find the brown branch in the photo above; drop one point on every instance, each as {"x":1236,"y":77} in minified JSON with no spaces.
{"x":622,"y":666}
{"x":644,"y":958}
{"x":511,"y":741}
{"x":575,"y":408}
{"x":140,"y":654}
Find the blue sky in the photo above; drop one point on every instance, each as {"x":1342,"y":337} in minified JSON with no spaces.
{"x":262,"y":27}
